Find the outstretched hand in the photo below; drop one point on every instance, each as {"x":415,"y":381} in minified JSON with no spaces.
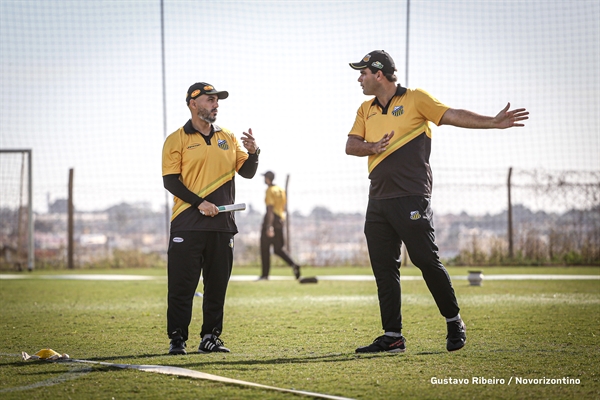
{"x":507,"y":119}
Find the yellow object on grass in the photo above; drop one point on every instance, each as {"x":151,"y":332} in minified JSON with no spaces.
{"x":44,"y":354}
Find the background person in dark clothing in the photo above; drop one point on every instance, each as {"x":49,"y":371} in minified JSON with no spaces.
{"x":272,"y":228}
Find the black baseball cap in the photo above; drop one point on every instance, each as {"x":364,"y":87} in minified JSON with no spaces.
{"x":378,"y":59}
{"x":200,"y":88}
{"x":270,"y":175}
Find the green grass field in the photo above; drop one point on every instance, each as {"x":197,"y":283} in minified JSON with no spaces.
{"x":288,"y":335}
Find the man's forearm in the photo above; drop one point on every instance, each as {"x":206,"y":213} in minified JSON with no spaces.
{"x":466,"y":119}
{"x":177,"y":188}
{"x":270,"y":217}
{"x":248,"y":169}
{"x":355,"y":146}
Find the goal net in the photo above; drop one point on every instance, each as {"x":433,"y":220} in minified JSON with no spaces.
{"x":16,"y":216}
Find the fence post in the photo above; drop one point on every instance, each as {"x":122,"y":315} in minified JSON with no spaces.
{"x":30,"y":224}
{"x":287,"y":216}
{"x":70,"y":212}
{"x":510,"y":221}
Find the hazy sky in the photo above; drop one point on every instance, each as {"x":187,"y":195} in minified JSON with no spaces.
{"x":81,"y":85}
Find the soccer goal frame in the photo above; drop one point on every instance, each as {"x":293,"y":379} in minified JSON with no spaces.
{"x":30,"y":238}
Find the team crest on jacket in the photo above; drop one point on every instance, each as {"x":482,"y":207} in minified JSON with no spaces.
{"x":398,"y":111}
{"x":223,"y":144}
{"x":414,"y":215}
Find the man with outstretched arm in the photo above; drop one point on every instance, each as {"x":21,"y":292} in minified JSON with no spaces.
{"x":393,"y":130}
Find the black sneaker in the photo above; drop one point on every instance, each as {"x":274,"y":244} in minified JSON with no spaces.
{"x":296,"y":269}
{"x":212,"y":345}
{"x":457,"y":335}
{"x":177,"y":346}
{"x":385,"y":343}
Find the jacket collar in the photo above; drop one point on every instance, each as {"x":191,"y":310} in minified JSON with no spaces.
{"x":189,"y":129}
{"x":399,"y":92}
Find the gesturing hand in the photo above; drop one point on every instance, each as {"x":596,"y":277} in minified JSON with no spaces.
{"x":381,"y":146}
{"x":249,"y":141}
{"x":507,"y":119}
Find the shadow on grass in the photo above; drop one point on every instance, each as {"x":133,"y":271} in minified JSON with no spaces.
{"x":194,"y":359}
{"x":186,"y":360}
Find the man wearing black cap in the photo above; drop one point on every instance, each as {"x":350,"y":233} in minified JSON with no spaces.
{"x":199,"y":163}
{"x":393,"y":130}
{"x":272,"y":228}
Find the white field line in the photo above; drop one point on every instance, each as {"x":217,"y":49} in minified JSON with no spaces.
{"x":518,"y":277}
{"x":83,"y":277}
{"x":78,"y":371}
{"x":249,"y":278}
{"x":177,"y":371}
{"x":74,"y":373}
{"x":469,"y":299}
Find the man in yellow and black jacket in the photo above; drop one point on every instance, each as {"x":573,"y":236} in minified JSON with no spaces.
{"x":393,"y":131}
{"x":272,"y":228}
{"x":199,"y":163}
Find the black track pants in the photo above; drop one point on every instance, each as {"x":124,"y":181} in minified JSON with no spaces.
{"x":277,"y":241}
{"x":388,"y":223}
{"x":190,"y":254}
